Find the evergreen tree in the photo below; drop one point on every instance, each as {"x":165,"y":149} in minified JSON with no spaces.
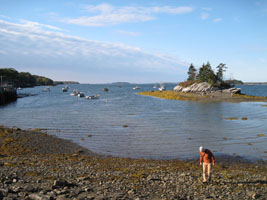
{"x":221,"y":68}
{"x":206,"y":74}
{"x":191,"y":73}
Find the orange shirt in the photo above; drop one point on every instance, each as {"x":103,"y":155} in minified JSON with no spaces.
{"x":207,"y":157}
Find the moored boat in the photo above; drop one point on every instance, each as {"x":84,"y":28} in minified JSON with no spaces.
{"x":162,"y":87}
{"x":155,"y":86}
{"x":65,"y":89}
{"x":74,"y":93}
{"x":81,"y":94}
{"x":93,"y":97}
{"x":136,"y":88}
{"x":47,"y":89}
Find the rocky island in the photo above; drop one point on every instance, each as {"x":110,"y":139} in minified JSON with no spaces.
{"x":204,"y":92}
{"x":205,"y":86}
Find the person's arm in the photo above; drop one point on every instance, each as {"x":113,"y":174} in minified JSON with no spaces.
{"x":212,"y":158}
{"x":201,"y":158}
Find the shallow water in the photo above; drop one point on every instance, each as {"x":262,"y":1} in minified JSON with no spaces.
{"x":158,"y":129}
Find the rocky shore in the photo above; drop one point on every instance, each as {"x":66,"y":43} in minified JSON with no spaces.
{"x":7,"y":94}
{"x":205,"y":88}
{"x":204,"y":92}
{"x":34,"y":165}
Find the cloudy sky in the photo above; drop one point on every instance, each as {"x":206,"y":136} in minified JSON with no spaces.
{"x":94,"y":41}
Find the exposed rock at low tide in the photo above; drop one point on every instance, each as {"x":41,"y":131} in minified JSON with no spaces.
{"x":205,"y":88}
{"x":36,"y":170}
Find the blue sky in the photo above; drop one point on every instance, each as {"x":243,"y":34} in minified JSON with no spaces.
{"x":135,"y":41}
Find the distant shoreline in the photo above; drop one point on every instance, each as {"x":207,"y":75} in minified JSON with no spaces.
{"x":255,"y":83}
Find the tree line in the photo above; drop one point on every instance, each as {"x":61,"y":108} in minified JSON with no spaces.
{"x":23,"y":79}
{"x":207,"y":74}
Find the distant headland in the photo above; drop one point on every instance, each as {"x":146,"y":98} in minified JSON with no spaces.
{"x":25,"y":79}
{"x":255,"y":83}
{"x":121,"y":83}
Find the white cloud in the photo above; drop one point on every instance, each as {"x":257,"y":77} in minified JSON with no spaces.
{"x":36,"y":25}
{"x":216,"y":20}
{"x":25,"y":46}
{"x":107,"y":14}
{"x":204,"y":16}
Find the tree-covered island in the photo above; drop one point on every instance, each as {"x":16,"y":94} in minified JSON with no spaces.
{"x":25,"y":79}
{"x":205,"y":84}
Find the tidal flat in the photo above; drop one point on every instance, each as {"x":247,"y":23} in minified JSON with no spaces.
{"x":35,"y":165}
{"x":173,"y":95}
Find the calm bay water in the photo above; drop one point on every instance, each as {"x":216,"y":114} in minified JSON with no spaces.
{"x":159,"y":129}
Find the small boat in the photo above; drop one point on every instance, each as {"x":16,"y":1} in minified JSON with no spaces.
{"x":136,"y":88}
{"x":105,"y":89}
{"x":47,"y":89}
{"x":65,"y":89}
{"x":74,"y":93}
{"x":162,"y":87}
{"x":155,"y":86}
{"x":19,"y":88}
{"x":81,"y":94}
{"x":93,"y":97}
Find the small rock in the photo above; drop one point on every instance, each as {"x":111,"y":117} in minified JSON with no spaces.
{"x":15,"y":180}
{"x":130,"y":192}
{"x":29,"y":188}
{"x":4,"y":191}
{"x":60,"y":183}
{"x":38,"y":197}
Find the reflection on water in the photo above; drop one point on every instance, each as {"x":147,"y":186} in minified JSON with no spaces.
{"x":156,"y":128}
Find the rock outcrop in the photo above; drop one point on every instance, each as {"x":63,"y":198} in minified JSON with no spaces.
{"x":7,"y":94}
{"x":205,"y":88}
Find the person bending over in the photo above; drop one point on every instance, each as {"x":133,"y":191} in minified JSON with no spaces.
{"x":206,"y":159}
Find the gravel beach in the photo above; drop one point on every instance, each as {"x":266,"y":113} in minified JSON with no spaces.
{"x":34,"y":165}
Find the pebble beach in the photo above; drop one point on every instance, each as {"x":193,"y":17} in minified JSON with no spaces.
{"x":35,"y":165}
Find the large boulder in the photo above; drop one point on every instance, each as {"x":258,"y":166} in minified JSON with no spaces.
{"x":205,"y":87}
{"x":195,"y":88}
{"x":232,"y":91}
{"x":178,"y":88}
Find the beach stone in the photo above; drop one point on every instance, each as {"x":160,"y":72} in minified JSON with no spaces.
{"x":29,"y":188}
{"x":4,"y":190}
{"x":38,"y":197}
{"x":253,"y":194}
{"x":62,"y":197}
{"x":60,"y":183}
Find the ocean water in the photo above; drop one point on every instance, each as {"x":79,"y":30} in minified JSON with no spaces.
{"x":156,"y":128}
